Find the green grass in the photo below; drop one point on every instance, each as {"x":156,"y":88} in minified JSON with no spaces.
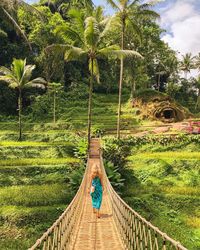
{"x":168,"y":189}
{"x":22,"y":225}
{"x":33,"y":144}
{"x":34,"y":181}
{"x":31,"y":175}
{"x":39,"y":161}
{"x":168,"y":155}
{"x":34,"y":195}
{"x":34,"y":187}
{"x":23,"y":216}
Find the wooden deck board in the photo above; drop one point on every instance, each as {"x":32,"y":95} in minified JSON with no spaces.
{"x":97,"y":233}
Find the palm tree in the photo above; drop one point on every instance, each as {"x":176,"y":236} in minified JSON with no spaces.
{"x":91,"y":50}
{"x":197,"y":62}
{"x":54,"y":88}
{"x":187,"y":63}
{"x":128,"y":12}
{"x":198,"y":97}
{"x":18,"y":77}
{"x":8,"y":9}
{"x":63,"y":6}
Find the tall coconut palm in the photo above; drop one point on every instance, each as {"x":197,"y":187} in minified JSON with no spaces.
{"x":91,"y":50}
{"x":128,"y":12}
{"x":18,"y":77}
{"x":198,"y":97}
{"x":9,"y":8}
{"x":197,"y":62}
{"x":187,"y":64}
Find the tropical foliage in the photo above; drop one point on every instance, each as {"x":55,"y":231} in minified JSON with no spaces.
{"x":19,"y":77}
{"x":69,"y":72}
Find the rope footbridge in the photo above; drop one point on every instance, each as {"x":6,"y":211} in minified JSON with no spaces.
{"x":120,"y":227}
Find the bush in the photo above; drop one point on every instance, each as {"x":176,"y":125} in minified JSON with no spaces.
{"x":81,"y":148}
{"x":114,"y":176}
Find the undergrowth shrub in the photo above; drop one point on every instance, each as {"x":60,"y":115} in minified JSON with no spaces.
{"x":114,"y":176}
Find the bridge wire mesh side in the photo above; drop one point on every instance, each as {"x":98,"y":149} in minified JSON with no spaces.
{"x":61,"y":234}
{"x":136,"y":232}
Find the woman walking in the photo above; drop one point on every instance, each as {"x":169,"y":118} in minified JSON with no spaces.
{"x":96,"y":188}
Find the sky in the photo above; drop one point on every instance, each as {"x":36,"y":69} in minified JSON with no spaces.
{"x":180,"y":19}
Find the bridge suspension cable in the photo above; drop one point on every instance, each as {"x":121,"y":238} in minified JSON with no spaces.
{"x":133,"y":232}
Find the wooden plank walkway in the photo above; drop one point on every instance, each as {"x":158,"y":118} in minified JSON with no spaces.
{"x":97,"y":233}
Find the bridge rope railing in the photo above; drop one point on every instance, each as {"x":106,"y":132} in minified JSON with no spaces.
{"x":137,"y":233}
{"x":61,"y":235}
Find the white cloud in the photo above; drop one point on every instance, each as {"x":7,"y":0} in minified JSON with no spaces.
{"x":184,"y":35}
{"x":182,"y":20}
{"x":177,"y":11}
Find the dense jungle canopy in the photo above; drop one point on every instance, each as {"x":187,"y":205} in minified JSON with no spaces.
{"x":27,"y":31}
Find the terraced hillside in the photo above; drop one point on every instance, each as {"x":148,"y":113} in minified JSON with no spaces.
{"x":165,"y":186}
{"x":35,"y":174}
{"x":34,"y":184}
{"x":104,"y":114}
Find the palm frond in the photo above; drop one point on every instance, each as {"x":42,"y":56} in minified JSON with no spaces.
{"x":36,"y":83}
{"x":27,"y":73}
{"x":149,"y":5}
{"x":75,"y":53}
{"x":17,"y":68}
{"x":127,"y":54}
{"x":71,"y":34}
{"x":108,"y":50}
{"x":92,"y":32}
{"x":109,"y":24}
{"x":9,"y":80}
{"x":98,"y":14}
{"x":78,"y":18}
{"x":113,"y":4}
{"x":7,"y":75}
{"x":17,"y":27}
{"x":57,"y":48}
{"x":135,"y":28}
{"x":145,"y":14}
{"x":5,"y":71}
{"x":123,"y":4}
{"x":133,"y":3}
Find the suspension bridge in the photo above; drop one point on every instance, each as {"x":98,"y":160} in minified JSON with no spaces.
{"x":120,"y":227}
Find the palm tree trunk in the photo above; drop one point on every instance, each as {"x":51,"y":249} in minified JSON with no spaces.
{"x":133,"y":88}
{"x":121,"y":80}
{"x":54,"y":107}
{"x":90,"y":104}
{"x":158,"y":87}
{"x":20,"y":111}
{"x":198,"y":100}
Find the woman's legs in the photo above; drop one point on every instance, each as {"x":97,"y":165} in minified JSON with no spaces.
{"x":94,"y":211}
{"x":98,"y":214}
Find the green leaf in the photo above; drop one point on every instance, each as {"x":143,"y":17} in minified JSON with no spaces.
{"x":92,"y":32}
{"x":95,"y":69}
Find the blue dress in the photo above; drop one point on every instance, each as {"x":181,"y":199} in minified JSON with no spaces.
{"x":97,"y":194}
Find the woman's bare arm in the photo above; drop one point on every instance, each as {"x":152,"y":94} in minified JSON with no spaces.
{"x":101,"y":179}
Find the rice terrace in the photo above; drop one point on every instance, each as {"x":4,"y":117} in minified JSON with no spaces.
{"x":99,"y":125}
